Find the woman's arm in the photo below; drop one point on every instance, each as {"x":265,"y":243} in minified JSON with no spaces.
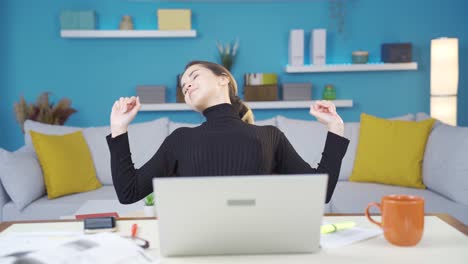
{"x":289,"y":162}
{"x":132,"y":185}
{"x":335,"y":148}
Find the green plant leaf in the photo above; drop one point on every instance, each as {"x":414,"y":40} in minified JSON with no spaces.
{"x":149,"y":199}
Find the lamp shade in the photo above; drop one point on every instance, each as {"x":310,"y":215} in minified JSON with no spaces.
{"x":444,"y":79}
{"x":444,"y":66}
{"x":444,"y":109}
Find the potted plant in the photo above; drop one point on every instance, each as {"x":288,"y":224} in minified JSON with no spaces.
{"x":149,"y":205}
{"x":43,"y":111}
{"x":227,"y":53}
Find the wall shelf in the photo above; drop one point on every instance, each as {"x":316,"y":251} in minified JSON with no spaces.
{"x":407,"y":66}
{"x":128,"y":33}
{"x":253,"y":105}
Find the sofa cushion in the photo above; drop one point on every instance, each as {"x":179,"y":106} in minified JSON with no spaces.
{"x":445,"y":166}
{"x":308,"y":139}
{"x":351,"y":132}
{"x":30,"y":125}
{"x":66,"y":163}
{"x":353,"y":197}
{"x":144,"y":139}
{"x":21,"y":176}
{"x":4,"y":199}
{"x":391,"y":151}
{"x":44,"y":208}
{"x":267,"y":122}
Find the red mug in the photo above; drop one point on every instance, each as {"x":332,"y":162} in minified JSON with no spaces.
{"x":402,"y":218}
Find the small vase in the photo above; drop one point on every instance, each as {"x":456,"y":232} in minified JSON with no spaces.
{"x":149,"y":210}
{"x":329,"y":92}
{"x":126,"y":23}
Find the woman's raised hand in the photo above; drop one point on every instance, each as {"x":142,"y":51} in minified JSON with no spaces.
{"x":123,"y":112}
{"x":325,"y":112}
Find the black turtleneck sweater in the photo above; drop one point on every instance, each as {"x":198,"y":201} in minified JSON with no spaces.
{"x":223,"y":145}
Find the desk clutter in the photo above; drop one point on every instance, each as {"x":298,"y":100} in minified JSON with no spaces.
{"x":63,"y":247}
{"x":440,"y":241}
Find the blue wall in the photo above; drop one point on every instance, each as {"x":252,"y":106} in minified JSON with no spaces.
{"x":95,"y":72}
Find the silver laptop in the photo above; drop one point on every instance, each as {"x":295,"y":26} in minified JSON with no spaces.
{"x":229,"y":215}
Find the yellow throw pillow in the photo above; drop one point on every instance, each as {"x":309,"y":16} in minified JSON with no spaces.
{"x":391,"y":151}
{"x":66,"y":163}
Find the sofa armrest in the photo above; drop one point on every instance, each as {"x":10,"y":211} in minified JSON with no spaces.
{"x":4,"y":199}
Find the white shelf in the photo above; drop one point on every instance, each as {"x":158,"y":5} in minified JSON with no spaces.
{"x":253,"y":105}
{"x":128,"y":33}
{"x":407,"y":66}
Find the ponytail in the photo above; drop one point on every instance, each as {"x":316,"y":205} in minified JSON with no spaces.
{"x":245,"y":113}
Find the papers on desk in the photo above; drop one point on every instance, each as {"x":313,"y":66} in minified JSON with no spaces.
{"x":31,"y":241}
{"x":346,"y":237}
{"x":98,"y":248}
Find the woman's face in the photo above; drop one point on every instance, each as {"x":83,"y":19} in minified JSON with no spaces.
{"x":201,"y":87}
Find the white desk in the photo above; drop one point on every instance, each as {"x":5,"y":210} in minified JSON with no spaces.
{"x":441,"y":243}
{"x":106,"y":206}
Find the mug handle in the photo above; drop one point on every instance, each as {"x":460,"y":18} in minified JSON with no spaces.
{"x":369,"y":216}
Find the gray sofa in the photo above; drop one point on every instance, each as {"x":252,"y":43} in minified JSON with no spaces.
{"x":23,"y":197}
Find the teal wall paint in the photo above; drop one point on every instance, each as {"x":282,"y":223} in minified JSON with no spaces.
{"x":3,"y":71}
{"x":95,"y":72}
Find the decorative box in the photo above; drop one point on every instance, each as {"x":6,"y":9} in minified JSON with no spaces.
{"x":267,"y":92}
{"x":151,"y":94}
{"x":260,"y":78}
{"x":84,"y":20}
{"x":396,"y":52}
{"x":297,"y":91}
{"x":174,"y":19}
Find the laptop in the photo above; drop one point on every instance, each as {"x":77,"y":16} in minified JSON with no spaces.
{"x":229,"y":215}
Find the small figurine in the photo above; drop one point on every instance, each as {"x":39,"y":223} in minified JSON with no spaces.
{"x":126,"y":23}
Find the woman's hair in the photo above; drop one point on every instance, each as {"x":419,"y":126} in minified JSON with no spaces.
{"x":239,"y":106}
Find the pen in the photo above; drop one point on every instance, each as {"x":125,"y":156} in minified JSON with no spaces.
{"x":330,"y":228}
{"x":134,"y":230}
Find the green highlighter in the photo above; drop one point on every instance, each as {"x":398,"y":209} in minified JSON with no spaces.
{"x":330,"y":228}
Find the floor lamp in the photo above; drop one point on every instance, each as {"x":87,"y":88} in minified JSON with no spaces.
{"x":444,"y":79}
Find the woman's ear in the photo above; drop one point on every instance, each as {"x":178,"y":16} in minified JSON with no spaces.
{"x":223,"y":80}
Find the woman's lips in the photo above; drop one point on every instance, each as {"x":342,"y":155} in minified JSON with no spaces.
{"x":191,"y":91}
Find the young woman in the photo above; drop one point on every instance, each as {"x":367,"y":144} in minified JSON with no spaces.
{"x":226,"y":144}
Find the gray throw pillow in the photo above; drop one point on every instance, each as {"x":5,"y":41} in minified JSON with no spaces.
{"x":144,"y":139}
{"x":307,"y":137}
{"x":445,"y":166}
{"x":21,"y":176}
{"x":45,"y":129}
